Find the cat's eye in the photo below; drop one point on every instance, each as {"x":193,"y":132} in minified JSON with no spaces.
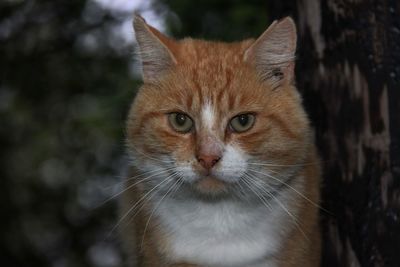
{"x":180,"y":122}
{"x":242,"y":122}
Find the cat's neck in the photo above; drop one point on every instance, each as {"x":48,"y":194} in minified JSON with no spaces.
{"x":237,"y":231}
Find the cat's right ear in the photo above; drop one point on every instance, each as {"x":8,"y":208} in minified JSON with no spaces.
{"x":155,"y":50}
{"x":273,"y":52}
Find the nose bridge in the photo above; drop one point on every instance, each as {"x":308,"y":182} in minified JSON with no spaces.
{"x":209,"y":145}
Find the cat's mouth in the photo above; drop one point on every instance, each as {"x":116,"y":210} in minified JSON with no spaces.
{"x":210,"y":185}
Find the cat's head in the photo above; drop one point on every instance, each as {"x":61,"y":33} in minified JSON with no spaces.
{"x":218,"y":117}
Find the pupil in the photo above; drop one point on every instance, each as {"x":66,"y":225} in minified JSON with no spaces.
{"x":180,"y":119}
{"x":243,"y":120}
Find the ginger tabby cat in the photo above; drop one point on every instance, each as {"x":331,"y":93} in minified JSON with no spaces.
{"x":224,"y":166}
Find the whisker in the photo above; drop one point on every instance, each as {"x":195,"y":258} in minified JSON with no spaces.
{"x":161,"y":170}
{"x":123,"y":179}
{"x":143,"y":203}
{"x":263,"y":200}
{"x":283,"y":165}
{"x":242,"y":191}
{"x":156,"y":207}
{"x":281,"y":205}
{"x":291,"y":187}
{"x":138,"y":202}
{"x":132,"y":185}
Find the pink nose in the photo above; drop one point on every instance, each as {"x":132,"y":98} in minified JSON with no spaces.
{"x":208,"y":161}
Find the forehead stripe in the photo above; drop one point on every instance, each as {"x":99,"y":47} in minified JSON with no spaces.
{"x":208,"y":116}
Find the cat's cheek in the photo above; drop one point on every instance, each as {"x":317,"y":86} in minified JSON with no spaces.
{"x":184,"y":165}
{"x":233,"y":165}
{"x":186,"y":173}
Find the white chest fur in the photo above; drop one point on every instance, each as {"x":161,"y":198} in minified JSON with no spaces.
{"x":222,"y":234}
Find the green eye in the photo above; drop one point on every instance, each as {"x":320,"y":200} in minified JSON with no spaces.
{"x":180,"y":122}
{"x":242,"y":123}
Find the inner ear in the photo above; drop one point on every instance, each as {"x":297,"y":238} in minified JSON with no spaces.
{"x":156,"y":50}
{"x":273,"y":53}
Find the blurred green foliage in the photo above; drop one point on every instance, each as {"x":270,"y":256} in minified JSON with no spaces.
{"x":66,"y":82}
{"x":62,"y":112}
{"x":224,"y":20}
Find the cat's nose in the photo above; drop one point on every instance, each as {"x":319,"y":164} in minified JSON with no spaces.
{"x":208,"y":161}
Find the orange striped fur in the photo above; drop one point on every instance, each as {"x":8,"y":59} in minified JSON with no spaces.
{"x":232,"y":78}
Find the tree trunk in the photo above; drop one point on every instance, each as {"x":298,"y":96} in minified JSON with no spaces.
{"x":348,"y":71}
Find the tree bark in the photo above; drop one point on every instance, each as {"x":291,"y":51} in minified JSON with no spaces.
{"x":348,"y":70}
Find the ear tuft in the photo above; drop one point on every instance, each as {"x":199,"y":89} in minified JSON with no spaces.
{"x":273,"y":53}
{"x":154,"y":50}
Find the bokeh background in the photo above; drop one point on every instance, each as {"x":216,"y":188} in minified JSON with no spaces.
{"x":68,"y":74}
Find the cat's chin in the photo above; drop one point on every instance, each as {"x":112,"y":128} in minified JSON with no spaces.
{"x":209,"y":185}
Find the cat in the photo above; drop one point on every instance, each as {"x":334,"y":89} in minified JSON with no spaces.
{"x":225,"y":170}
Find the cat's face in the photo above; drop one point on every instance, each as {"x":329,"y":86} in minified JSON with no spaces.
{"x":213,"y":126}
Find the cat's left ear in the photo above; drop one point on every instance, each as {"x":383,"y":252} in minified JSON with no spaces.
{"x":273,"y":53}
{"x":156,"y":50}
